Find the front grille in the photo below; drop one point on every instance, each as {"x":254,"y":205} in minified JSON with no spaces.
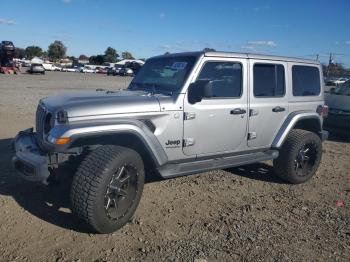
{"x":40,"y":119}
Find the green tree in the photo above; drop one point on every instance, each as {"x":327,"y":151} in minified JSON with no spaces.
{"x":111,"y":55}
{"x":97,"y":59}
{"x":83,"y":57}
{"x":20,"y":53}
{"x":56,"y":51}
{"x":208,"y":49}
{"x":335,"y":70}
{"x":44,"y":55}
{"x":32,"y":51}
{"x":127,"y":55}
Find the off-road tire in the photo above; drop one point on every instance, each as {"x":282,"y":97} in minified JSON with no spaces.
{"x":94,"y":177}
{"x":285,"y":166}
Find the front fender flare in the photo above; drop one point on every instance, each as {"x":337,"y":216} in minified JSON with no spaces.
{"x":135,"y":127}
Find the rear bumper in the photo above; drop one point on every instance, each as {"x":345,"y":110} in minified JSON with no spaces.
{"x":29,"y":160}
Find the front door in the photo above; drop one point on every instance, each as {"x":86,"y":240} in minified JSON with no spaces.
{"x":218,"y":124}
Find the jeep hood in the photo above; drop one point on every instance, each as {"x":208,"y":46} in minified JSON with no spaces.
{"x":92,"y":103}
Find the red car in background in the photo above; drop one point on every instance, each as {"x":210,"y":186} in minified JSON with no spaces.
{"x":101,"y":71}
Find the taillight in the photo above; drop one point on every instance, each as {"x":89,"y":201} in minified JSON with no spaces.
{"x":322,"y":110}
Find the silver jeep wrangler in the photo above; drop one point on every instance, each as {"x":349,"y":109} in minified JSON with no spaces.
{"x":182,"y":114}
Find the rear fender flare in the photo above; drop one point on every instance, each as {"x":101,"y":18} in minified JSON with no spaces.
{"x":290,"y":122}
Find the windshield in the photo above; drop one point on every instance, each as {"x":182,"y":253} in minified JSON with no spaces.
{"x":164,"y":74}
{"x":344,"y":89}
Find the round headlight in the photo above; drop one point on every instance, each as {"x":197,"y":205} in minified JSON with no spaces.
{"x":48,"y":122}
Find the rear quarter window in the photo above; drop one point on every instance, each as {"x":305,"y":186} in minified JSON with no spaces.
{"x":306,"y":80}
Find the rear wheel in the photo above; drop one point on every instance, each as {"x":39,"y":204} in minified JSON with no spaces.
{"x":299,"y":156}
{"x":107,"y":187}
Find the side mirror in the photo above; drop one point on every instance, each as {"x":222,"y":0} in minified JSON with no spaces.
{"x":199,"y":90}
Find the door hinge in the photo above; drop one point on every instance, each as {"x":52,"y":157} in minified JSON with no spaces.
{"x":253,"y":112}
{"x":188,"y":142}
{"x":251,"y":135}
{"x":189,"y":115}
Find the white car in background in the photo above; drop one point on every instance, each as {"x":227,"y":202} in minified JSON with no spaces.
{"x":51,"y":67}
{"x":70,"y":69}
{"x":340,"y":81}
{"x":336,"y":81}
{"x":87,"y":69}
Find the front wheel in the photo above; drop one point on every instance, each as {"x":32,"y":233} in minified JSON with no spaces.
{"x":107,"y":187}
{"x":299,"y":156}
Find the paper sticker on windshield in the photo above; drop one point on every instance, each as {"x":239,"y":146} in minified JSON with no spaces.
{"x":179,"y":65}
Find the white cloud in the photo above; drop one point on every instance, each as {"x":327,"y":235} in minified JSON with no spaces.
{"x":262,"y":43}
{"x":162,"y":15}
{"x":261,"y":8}
{"x":6,"y":22}
{"x":67,"y":1}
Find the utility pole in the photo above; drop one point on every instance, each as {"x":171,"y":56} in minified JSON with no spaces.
{"x":330,"y":61}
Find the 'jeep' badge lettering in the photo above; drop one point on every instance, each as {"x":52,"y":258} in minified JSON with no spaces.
{"x":172,"y":143}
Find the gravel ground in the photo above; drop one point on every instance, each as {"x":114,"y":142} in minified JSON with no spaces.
{"x":242,"y":213}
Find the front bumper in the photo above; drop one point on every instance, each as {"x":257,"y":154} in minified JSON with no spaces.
{"x":29,"y":159}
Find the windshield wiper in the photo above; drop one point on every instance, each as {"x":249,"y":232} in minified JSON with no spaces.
{"x":153,"y":88}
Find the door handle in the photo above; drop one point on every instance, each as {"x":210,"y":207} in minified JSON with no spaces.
{"x":238,"y":111}
{"x":278,"y":109}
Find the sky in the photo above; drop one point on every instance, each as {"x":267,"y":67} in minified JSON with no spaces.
{"x":300,"y":28}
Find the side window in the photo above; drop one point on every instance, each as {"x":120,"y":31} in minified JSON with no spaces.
{"x":226,"y":78}
{"x":269,"y":80}
{"x":306,"y":81}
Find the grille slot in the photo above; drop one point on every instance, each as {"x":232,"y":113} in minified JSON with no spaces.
{"x":40,"y":119}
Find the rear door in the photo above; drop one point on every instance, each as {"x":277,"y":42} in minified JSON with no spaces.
{"x":268,"y":101}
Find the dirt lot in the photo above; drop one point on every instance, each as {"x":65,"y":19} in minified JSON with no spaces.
{"x":238,"y":214}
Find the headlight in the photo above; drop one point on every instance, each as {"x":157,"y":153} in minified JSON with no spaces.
{"x":49,"y":122}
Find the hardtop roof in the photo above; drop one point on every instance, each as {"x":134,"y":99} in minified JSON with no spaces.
{"x":245,"y":55}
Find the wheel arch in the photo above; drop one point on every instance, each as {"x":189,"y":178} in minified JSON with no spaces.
{"x":128,"y":133}
{"x":308,"y":121}
{"x":125,"y":139}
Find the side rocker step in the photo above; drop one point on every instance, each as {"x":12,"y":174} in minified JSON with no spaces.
{"x":182,"y":169}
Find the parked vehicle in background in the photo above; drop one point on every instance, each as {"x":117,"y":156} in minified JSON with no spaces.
{"x":182,"y":114}
{"x":111,"y":71}
{"x":338,"y":101}
{"x":102,"y":71}
{"x":70,"y":69}
{"x":134,"y":66}
{"x":114,"y":71}
{"x":87,"y":69}
{"x":51,"y":67}
{"x":125,"y":71}
{"x":36,"y":69}
{"x":335,"y":81}
{"x":26,"y":63}
{"x":7,"y":52}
